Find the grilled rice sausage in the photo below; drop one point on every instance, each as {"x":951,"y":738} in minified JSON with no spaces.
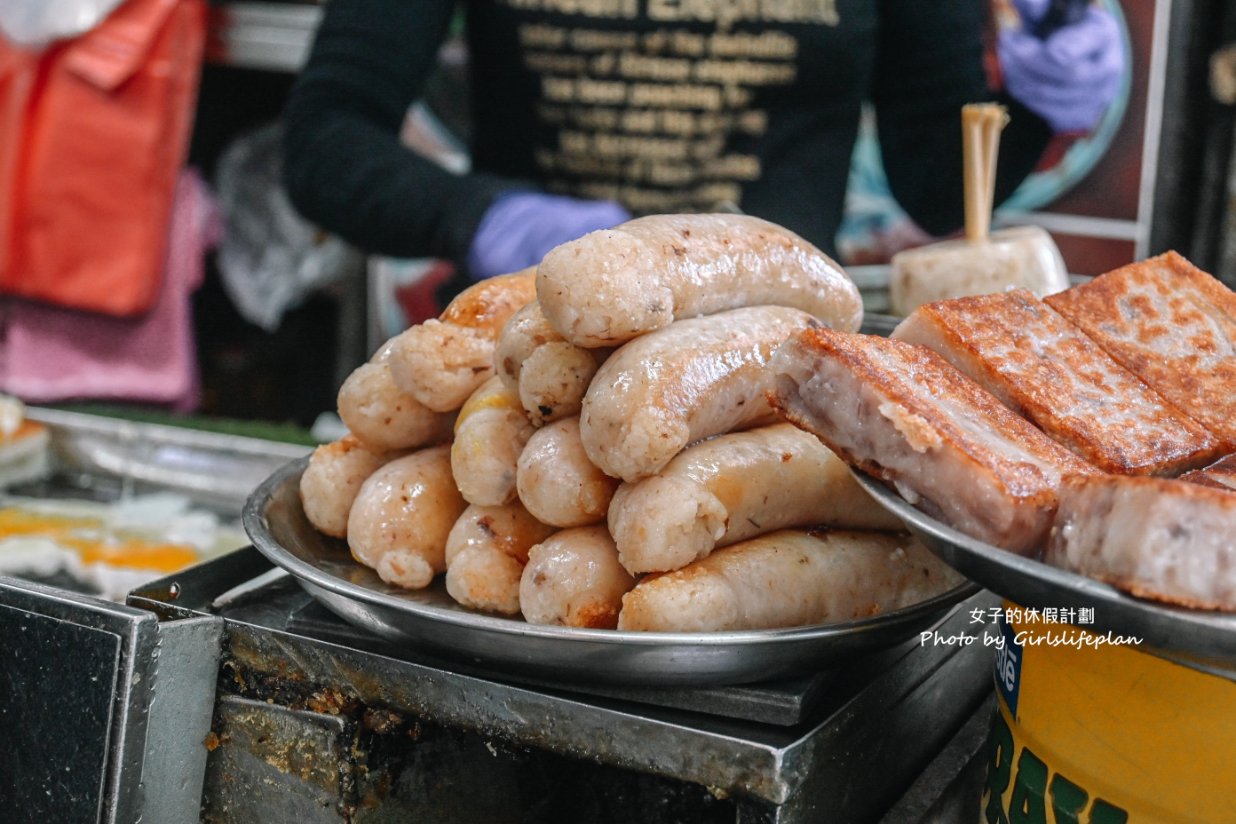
{"x":489,"y":436}
{"x":732,"y":487}
{"x":523,"y":332}
{"x":573,"y":579}
{"x":557,"y":482}
{"x":549,"y":374}
{"x":331,"y":480}
{"x":616,"y":284}
{"x":555,"y":378}
{"x":441,"y":362}
{"x":402,"y":515}
{"x":788,"y":578}
{"x":383,"y":417}
{"x":695,"y":378}
{"x":485,"y":555}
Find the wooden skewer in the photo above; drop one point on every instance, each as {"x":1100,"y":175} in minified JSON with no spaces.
{"x":996,"y":119}
{"x":981,"y":125}
{"x":971,"y":183}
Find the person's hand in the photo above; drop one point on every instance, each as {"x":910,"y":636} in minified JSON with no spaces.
{"x":520,"y":227}
{"x":1068,"y":78}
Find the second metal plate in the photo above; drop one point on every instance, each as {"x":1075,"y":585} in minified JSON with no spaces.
{"x":1205,"y":640}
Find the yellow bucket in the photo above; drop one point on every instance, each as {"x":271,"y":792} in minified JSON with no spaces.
{"x":1090,"y":730}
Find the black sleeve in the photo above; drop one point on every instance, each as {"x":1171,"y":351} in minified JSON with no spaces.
{"x":344,"y":167}
{"x":929,"y":65}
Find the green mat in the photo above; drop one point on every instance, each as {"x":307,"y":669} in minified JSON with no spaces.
{"x":267,"y":430}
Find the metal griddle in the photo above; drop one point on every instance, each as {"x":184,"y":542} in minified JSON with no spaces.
{"x":847,"y":740}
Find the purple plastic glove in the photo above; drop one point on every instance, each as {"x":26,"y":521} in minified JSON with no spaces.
{"x":1071,"y":77}
{"x":520,"y":227}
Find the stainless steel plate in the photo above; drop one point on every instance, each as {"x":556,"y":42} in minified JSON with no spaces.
{"x":1206,"y":640}
{"x":431,"y":619}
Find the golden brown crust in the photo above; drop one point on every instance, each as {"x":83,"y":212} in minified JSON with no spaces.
{"x":908,"y":417}
{"x":1224,"y":498}
{"x":1219,"y":475}
{"x":1173,"y":326}
{"x":596,"y":616}
{"x":343,"y":446}
{"x":490,"y":302}
{"x":1046,"y":369}
{"x":902,"y":372}
{"x":1215,"y":292}
{"x":1152,"y":595}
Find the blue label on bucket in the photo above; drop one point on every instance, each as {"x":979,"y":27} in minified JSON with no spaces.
{"x":1008,"y":664}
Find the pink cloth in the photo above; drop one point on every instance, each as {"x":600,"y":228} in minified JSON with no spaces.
{"x":50,"y":354}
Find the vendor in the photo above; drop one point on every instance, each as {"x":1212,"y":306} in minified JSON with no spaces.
{"x":588,"y":111}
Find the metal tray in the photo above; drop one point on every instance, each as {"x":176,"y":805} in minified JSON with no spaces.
{"x":110,"y":456}
{"x":1200,"y":639}
{"x":429,"y":618}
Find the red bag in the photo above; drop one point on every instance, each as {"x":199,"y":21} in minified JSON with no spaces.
{"x":93,"y":135}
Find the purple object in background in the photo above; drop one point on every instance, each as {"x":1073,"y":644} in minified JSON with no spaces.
{"x":1072,"y":75}
{"x":520,"y":227}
